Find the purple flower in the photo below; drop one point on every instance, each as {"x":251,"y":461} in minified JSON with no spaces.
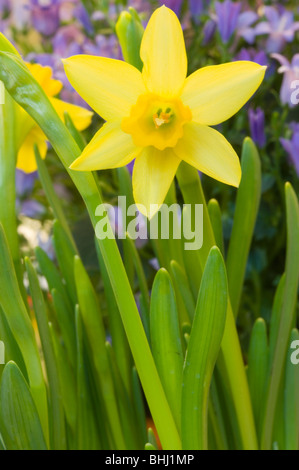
{"x":227,"y":18}
{"x":289,"y":87}
{"x":197,"y":7}
{"x":175,"y":5}
{"x":25,"y":182}
{"x":81,"y":14}
{"x":245,"y":21}
{"x":252,"y":55}
{"x":280,"y":28}
{"x":257,"y":126}
{"x":209,"y":31}
{"x":68,"y":41}
{"x":292,"y":146}
{"x":45,"y":16}
{"x":32,"y":209}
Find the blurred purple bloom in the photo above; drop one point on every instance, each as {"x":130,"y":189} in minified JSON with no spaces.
{"x":175,"y":5}
{"x":4,"y":6}
{"x":81,"y":14}
{"x":290,"y":72}
{"x":45,"y":16}
{"x":252,"y":55}
{"x":292,"y":146}
{"x":31,"y":208}
{"x":245,"y":21}
{"x":227,"y":18}
{"x":197,"y":7}
{"x":280,"y":28}
{"x":209,"y":31}
{"x":68,"y":41}
{"x":25,"y":182}
{"x":257,"y":126}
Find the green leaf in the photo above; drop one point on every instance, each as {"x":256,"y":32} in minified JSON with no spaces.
{"x":128,"y":417}
{"x":291,"y":397}
{"x":166,"y":340}
{"x":20,"y":325}
{"x":57,"y":420}
{"x":257,"y":368}
{"x":65,"y":253}
{"x":87,"y":433}
{"x":52,"y":276}
{"x":52,"y":197}
{"x":66,"y":324}
{"x":12,"y":351}
{"x":95,"y":332}
{"x":203,"y":348}
{"x":215,"y":217}
{"x":247,"y":204}
{"x":19,"y":421}
{"x":286,"y":315}
{"x":184,"y":295}
{"x":67,"y":380}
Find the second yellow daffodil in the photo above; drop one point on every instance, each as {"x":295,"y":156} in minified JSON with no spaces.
{"x":29,"y":134}
{"x":159,"y":116}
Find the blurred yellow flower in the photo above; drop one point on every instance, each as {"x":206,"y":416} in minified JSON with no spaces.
{"x":28,"y":133}
{"x":159,"y":116}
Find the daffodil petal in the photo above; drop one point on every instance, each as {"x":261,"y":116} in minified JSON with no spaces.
{"x":208,"y":151}
{"x":43,"y":75}
{"x":80,"y":116}
{"x":153,"y":173}
{"x":163,"y":54}
{"x":217,"y":92}
{"x":109,"y":148}
{"x":109,"y":86}
{"x":26,"y":157}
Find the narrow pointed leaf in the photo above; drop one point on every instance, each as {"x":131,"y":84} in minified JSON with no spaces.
{"x":247,"y":204}
{"x":203,"y":348}
{"x":19,"y":421}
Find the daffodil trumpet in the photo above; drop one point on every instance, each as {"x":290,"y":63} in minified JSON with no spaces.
{"x":158,"y":116}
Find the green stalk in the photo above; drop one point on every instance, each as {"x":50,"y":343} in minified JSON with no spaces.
{"x":27,"y":92}
{"x":191,"y":188}
{"x":7,"y":179}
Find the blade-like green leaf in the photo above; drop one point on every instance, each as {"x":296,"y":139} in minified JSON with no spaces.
{"x":257,"y":368}
{"x":87,"y":433}
{"x":65,"y":253}
{"x":286,"y":315}
{"x":215,"y":217}
{"x":203,"y":348}
{"x":95,"y":331}
{"x":57,"y":420}
{"x":184,"y":295}
{"x":247,"y":204}
{"x":19,"y":322}
{"x":166,"y":340}
{"x":291,"y":395}
{"x":19,"y":421}
{"x":52,"y":196}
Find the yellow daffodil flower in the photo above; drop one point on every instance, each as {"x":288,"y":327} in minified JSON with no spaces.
{"x":159,"y":116}
{"x":29,"y":134}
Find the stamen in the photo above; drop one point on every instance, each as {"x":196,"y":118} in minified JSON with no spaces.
{"x":161,"y":118}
